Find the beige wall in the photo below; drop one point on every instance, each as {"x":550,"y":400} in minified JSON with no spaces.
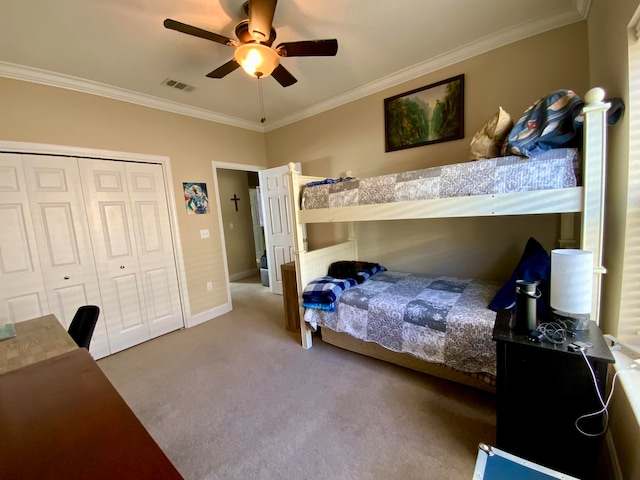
{"x":241,"y":253}
{"x":608,"y":45}
{"x":42,"y":114}
{"x":609,"y":67}
{"x":351,"y":137}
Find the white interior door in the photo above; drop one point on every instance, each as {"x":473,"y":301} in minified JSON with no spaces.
{"x":277,"y":221}
{"x":22,"y":291}
{"x":155,"y":250}
{"x":62,"y":233}
{"x":114,"y":244}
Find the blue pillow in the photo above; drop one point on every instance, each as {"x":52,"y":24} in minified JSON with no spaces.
{"x":534,"y":265}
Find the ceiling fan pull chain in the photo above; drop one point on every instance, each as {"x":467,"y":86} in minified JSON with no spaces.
{"x":263,"y":118}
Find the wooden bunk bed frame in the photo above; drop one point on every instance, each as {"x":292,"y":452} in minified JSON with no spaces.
{"x":587,"y":199}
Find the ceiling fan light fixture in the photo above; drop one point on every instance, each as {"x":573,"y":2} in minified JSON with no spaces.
{"x":256,"y":59}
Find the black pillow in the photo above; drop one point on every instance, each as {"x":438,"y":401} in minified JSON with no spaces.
{"x":534,"y":265}
{"x":349,"y":269}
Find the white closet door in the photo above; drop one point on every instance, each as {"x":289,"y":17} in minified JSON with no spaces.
{"x":155,"y":250}
{"x":110,"y":219}
{"x":64,"y":244}
{"x":22,"y":290}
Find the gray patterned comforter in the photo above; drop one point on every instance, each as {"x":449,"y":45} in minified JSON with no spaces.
{"x":551,"y":170}
{"x":438,"y":319}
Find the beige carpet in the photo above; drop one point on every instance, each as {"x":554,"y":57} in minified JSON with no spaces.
{"x":238,"y":398}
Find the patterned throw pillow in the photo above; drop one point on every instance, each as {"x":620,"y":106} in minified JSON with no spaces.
{"x":487,"y":142}
{"x":551,"y":122}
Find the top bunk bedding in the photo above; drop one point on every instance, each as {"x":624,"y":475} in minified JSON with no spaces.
{"x":528,"y":182}
{"x":552,"y":170}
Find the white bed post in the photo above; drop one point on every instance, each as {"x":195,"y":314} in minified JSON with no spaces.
{"x":567,"y":231}
{"x":593,"y":182}
{"x":299,"y":243}
{"x":353,"y":238}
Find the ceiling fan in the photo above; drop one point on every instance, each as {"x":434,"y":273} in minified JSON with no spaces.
{"x":253,"y":47}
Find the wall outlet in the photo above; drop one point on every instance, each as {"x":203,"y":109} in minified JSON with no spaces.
{"x":204,"y":233}
{"x":209,"y":286}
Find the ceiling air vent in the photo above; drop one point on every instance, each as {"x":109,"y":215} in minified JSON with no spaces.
{"x":178,"y":85}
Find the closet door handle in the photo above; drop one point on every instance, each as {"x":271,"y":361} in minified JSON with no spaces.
{"x":66,"y":277}
{"x":121,"y":267}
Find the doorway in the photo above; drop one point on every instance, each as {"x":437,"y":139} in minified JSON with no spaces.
{"x":237,"y":187}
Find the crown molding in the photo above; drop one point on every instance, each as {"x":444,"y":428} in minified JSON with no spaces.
{"x":583,"y":6}
{"x":500,"y":39}
{"x":43,"y":77}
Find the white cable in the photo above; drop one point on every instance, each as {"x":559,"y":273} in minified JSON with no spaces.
{"x":605,"y":405}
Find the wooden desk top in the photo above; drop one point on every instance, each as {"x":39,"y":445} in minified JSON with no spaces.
{"x":36,"y":340}
{"x":61,"y":418}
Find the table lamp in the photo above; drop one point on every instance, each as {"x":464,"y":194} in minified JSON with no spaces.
{"x":571,"y":287}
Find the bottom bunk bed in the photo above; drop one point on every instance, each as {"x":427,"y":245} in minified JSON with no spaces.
{"x":478,"y":325}
{"x":437,"y":325}
{"x":482,"y":381}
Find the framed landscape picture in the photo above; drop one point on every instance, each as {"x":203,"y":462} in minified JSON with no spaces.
{"x":426,"y":115}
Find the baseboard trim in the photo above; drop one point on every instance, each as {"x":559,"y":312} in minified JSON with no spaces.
{"x":239,"y":276}
{"x":207,"y":315}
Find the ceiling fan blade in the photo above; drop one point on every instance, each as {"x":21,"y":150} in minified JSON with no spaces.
{"x":283,"y":76}
{"x":261,"y":18}
{"x":308,"y":48}
{"x":224,"y":70}
{"x":198,"y":32}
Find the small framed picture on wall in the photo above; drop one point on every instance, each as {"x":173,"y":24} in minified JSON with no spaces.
{"x":195,"y":198}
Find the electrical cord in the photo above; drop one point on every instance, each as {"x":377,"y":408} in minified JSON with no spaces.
{"x":605,"y":405}
{"x":553,"y":332}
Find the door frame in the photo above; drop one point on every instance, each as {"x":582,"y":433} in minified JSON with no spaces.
{"x":227,"y":166}
{"x":99,"y":154}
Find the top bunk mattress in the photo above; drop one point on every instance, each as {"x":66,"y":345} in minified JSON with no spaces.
{"x":551,"y":170}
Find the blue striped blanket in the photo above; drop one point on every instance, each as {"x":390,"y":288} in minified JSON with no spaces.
{"x":322,"y":292}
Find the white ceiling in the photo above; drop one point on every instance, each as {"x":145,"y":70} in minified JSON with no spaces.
{"x":120,"y":49}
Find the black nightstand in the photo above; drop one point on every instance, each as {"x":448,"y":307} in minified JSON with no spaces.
{"x":542,"y":389}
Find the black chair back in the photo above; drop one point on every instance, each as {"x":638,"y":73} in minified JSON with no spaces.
{"x":83,"y":324}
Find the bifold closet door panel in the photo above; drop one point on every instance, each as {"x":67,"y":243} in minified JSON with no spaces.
{"x":152,"y":231}
{"x":104,"y":185}
{"x":22,"y":290}
{"x":64,"y":244}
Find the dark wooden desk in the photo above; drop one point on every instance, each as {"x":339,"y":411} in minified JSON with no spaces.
{"x":36,"y":340}
{"x":61,"y":418}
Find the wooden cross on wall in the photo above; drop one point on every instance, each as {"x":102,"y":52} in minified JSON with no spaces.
{"x":235,"y":199}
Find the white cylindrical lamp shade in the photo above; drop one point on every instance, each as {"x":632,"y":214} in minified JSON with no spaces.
{"x":571,"y":281}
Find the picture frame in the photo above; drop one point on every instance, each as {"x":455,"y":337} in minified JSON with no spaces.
{"x":195,"y":198}
{"x":426,"y":115}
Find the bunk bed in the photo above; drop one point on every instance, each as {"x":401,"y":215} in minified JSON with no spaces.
{"x":585,"y":198}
